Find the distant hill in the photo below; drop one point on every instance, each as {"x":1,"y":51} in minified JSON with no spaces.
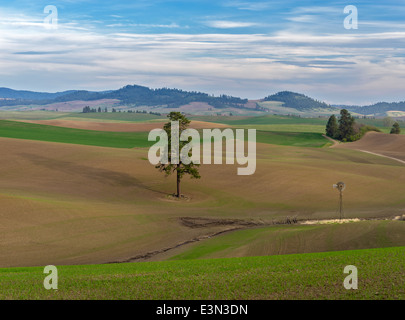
{"x":132,"y":95}
{"x":135,"y":96}
{"x":297,"y":101}
{"x":143,"y":96}
{"x":378,"y":109}
{"x":6,"y":93}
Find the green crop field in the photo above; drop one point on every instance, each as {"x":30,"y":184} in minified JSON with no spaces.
{"x":300,"y":276}
{"x":297,"y":139}
{"x":298,"y":239}
{"x":311,"y":128}
{"x":286,"y":123}
{"x":22,"y":130}
{"x":30,"y":131}
{"x":261,"y":120}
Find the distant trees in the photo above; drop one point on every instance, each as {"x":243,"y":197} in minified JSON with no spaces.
{"x":332,"y":129}
{"x":395,"y":128}
{"x":144,"y":111}
{"x":179,"y":168}
{"x":87,"y":109}
{"x":346,"y":126}
{"x":346,"y":129}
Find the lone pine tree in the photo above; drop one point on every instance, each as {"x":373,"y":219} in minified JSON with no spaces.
{"x":179,"y":168}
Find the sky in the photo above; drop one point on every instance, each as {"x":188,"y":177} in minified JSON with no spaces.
{"x":249,"y":49}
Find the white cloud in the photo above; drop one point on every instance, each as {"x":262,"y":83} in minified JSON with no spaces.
{"x":250,"y":5}
{"x":222,"y":24}
{"x":145,"y":25}
{"x":358,"y":67}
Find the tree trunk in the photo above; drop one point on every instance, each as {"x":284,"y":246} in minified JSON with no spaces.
{"x":178,"y":183}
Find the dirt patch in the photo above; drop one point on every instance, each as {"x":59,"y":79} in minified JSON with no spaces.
{"x":119,"y":126}
{"x":192,"y":222}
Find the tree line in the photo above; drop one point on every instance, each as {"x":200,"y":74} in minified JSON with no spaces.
{"x":346,"y":128}
{"x":87,"y":109}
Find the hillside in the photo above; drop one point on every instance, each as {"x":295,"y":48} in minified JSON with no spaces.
{"x":6,"y":93}
{"x":164,"y":100}
{"x":298,"y":101}
{"x":131,"y":95}
{"x":389,"y":145}
{"x":134,"y":96}
{"x":379,"y":109}
{"x":96,"y":199}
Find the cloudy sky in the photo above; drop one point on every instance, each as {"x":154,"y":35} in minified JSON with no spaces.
{"x":244,"y":48}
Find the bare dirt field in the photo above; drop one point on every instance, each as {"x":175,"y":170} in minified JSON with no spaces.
{"x":72,"y":204}
{"x":119,"y":126}
{"x":389,"y":145}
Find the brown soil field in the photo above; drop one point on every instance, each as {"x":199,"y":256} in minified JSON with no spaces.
{"x":119,"y":126}
{"x":73,"y":204}
{"x":390,"y":145}
{"x":196,"y":106}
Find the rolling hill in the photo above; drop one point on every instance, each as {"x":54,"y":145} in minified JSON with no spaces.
{"x":380,"y":108}
{"x":96,"y":199}
{"x":298,"y":101}
{"x":131,"y":96}
{"x":164,"y":100}
{"x":389,"y":145}
{"x":10,"y":94}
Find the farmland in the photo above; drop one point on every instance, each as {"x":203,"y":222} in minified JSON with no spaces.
{"x":134,"y":136}
{"x":277,"y":240}
{"x":77,"y":189}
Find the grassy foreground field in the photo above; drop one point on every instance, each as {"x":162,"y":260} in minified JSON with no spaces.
{"x":302,"y":276}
